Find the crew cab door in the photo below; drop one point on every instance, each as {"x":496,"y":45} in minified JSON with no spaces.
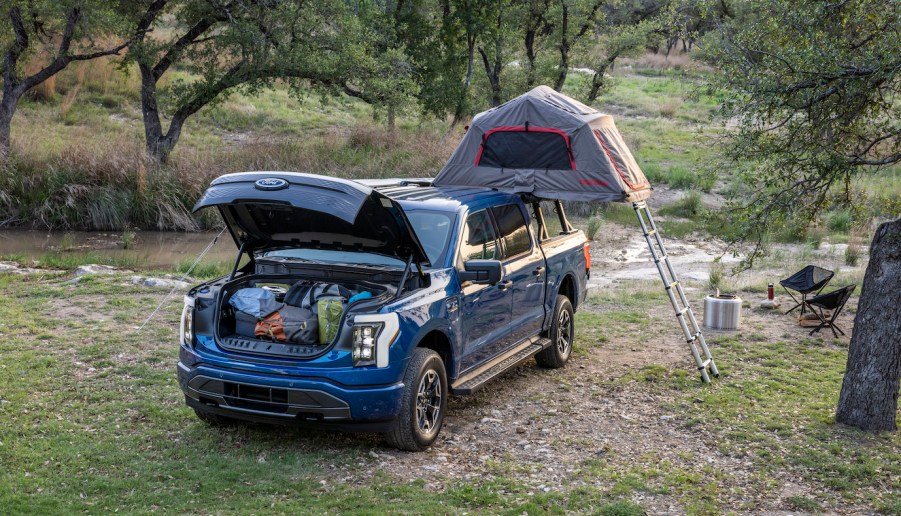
{"x":485,"y":309}
{"x":524,"y":270}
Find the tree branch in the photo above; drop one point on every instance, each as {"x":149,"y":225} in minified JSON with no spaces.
{"x":66,"y":41}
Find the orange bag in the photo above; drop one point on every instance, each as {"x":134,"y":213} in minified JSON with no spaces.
{"x":272,"y":327}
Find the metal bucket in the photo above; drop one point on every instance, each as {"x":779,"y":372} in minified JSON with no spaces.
{"x":722,"y":312}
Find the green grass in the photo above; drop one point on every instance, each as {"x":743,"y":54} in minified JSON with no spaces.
{"x":94,"y":422}
{"x":69,"y":260}
{"x":689,"y":206}
{"x":776,"y":409}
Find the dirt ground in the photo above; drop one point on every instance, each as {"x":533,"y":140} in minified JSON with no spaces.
{"x":540,"y":425}
{"x":544,"y":423}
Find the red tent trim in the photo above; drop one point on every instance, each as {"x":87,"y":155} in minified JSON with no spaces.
{"x":642,"y":186}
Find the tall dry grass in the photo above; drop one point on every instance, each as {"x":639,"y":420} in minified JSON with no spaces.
{"x":109,"y":184}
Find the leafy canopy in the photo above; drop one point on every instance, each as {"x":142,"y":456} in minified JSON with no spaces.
{"x":813,"y":89}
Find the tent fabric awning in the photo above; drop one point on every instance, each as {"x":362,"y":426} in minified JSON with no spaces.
{"x":548,"y":145}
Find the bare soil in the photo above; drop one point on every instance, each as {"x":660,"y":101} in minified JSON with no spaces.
{"x":539,"y":426}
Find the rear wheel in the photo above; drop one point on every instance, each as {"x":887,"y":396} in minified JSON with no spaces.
{"x":561,"y":335}
{"x":423,"y":403}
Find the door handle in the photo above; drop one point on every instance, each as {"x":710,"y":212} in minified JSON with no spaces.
{"x":538,"y":271}
{"x":504,"y":285}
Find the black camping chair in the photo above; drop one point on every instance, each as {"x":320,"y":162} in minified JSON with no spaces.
{"x":807,"y":280}
{"x":834,"y":301}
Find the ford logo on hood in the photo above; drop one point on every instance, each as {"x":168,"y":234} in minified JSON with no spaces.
{"x":271,"y":183}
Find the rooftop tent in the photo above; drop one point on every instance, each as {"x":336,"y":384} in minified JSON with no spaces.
{"x":548,"y":145}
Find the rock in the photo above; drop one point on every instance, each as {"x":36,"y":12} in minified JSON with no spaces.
{"x":666,"y":418}
{"x":93,"y":268}
{"x":373,"y":454}
{"x":770,"y":304}
{"x":161,"y":282}
{"x":15,"y":268}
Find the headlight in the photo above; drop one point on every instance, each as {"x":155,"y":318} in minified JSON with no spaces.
{"x":365,"y":335}
{"x":373,"y":335}
{"x":187,"y":322}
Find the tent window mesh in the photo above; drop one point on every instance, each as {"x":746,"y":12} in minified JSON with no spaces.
{"x":526,"y":150}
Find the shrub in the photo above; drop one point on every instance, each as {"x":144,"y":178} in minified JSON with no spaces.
{"x":838,"y":221}
{"x":594,"y":224}
{"x":681,"y":177}
{"x":852,"y":254}
{"x":128,"y":239}
{"x":668,"y":109}
{"x":654,"y":173}
{"x":717,"y":279}
{"x":689,"y":206}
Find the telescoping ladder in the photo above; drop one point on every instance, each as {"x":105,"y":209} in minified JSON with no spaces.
{"x":693,"y":334}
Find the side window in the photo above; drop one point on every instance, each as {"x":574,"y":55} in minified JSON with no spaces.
{"x":513,"y":231}
{"x":479,"y":238}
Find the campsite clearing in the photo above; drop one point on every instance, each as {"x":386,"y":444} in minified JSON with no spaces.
{"x":96,"y":422}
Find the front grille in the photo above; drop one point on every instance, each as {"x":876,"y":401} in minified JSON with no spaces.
{"x":301,"y":403}
{"x":250,"y":396}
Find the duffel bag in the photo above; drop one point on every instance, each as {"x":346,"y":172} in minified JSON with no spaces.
{"x":290,"y":324}
{"x":299,"y":293}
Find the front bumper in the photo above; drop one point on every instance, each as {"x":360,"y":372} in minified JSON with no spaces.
{"x":288,"y":400}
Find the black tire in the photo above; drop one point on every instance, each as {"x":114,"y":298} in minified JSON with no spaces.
{"x":423,"y":403}
{"x":561,"y":335}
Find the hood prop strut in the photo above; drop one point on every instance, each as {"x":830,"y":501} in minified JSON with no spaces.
{"x":237,"y":260}
{"x":404,"y":276}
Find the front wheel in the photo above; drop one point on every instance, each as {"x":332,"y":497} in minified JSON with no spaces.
{"x":561,"y":335}
{"x":423,"y":403}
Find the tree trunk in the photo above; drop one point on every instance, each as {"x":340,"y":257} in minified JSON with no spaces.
{"x":564,"y":50}
{"x":530,"y":56}
{"x":158,"y":144}
{"x":7,"y":110}
{"x":869,"y":395}
{"x":597,"y":83}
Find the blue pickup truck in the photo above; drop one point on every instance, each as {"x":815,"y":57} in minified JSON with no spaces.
{"x":441,"y":289}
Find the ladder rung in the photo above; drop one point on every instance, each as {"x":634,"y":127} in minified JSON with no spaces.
{"x":649,"y":229}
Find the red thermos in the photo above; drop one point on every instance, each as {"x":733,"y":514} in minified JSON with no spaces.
{"x":769,"y":292}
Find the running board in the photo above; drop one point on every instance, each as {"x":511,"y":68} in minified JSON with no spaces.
{"x":474,"y":380}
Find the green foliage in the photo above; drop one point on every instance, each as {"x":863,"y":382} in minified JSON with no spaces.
{"x":807,"y":83}
{"x":717,"y":276}
{"x":128,"y":239}
{"x":839,"y":221}
{"x":594,"y":225}
{"x":689,"y":206}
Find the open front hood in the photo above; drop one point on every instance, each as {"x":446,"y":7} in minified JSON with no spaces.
{"x":289,"y":209}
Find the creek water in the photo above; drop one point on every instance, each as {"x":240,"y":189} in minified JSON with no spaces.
{"x":148,"y":249}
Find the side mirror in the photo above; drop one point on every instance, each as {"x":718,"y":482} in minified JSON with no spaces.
{"x":481,"y":271}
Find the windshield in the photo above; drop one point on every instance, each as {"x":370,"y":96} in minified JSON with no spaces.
{"x":431,"y":227}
